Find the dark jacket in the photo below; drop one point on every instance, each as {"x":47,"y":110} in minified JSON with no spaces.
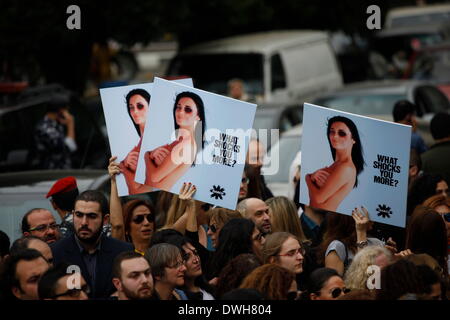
{"x":68,"y":250}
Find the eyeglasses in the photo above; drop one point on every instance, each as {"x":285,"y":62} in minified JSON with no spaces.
{"x":177,"y":265}
{"x":293,"y":295}
{"x":186,"y":109}
{"x":245,"y":180}
{"x":90,"y":215}
{"x":74,"y":293}
{"x":294,"y":252}
{"x":338,"y":291}
{"x":138,"y":219}
{"x":213,"y":228}
{"x":340,"y":133}
{"x":45,"y":227}
{"x":187,"y":256}
{"x":446,"y":216}
{"x":259,"y":237}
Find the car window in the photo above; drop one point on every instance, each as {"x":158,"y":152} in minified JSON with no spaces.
{"x":362,"y":104}
{"x":278,"y":75}
{"x":286,"y":149}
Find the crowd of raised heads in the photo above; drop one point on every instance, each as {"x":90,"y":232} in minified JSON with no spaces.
{"x":270,"y":248}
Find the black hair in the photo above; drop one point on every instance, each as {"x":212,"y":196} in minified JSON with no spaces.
{"x":25,"y":224}
{"x":4,"y":244}
{"x":235,"y":238}
{"x":8,"y":276}
{"x":402,"y":109}
{"x":66,"y":200}
{"x":47,"y":283}
{"x":357,"y":149}
{"x":200,"y":111}
{"x":429,"y":277}
{"x":440,"y":126}
{"x":144,"y":94}
{"x":23,"y":243}
{"x":94,"y":196}
{"x":421,"y":189}
{"x":117,"y":262}
{"x":164,"y":236}
{"x":58,"y":101}
{"x":318,"y":278}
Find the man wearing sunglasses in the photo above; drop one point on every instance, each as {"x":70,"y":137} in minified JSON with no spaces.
{"x":40,"y":223}
{"x":58,"y":283}
{"x":89,"y":248}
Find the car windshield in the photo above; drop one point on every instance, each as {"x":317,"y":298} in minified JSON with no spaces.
{"x":212,"y":72}
{"x":281,"y":156}
{"x":372,"y":104}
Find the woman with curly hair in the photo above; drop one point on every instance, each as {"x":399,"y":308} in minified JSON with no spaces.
{"x":273,"y":281}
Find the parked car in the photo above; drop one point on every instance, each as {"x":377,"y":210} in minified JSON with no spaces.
{"x":276,"y":116}
{"x":22,"y":191}
{"x":377,"y":98}
{"x":276,"y":66}
{"x":280,"y":157}
{"x":410,"y":16}
{"x":18,"y":119}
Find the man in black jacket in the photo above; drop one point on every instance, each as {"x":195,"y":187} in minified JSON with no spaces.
{"x":88,"y":248}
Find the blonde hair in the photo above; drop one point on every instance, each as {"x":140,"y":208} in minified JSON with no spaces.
{"x":284,"y":217}
{"x":436,"y":201}
{"x":221,"y":215}
{"x":356,"y":275}
{"x":273,"y":244}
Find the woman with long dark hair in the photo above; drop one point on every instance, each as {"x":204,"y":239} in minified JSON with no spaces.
{"x":330,"y":185}
{"x":189,"y":117}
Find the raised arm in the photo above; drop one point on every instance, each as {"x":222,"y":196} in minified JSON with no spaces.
{"x":115,"y":206}
{"x":337,"y":179}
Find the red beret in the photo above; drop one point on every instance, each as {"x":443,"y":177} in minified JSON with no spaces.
{"x":63,"y":185}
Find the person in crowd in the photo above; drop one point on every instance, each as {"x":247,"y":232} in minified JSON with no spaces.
{"x":257,"y":211}
{"x":404,"y":112}
{"x":218,"y":218}
{"x":235,"y":271}
{"x":4,"y":246}
{"x":55,"y":135}
{"x":400,"y":278}
{"x":20,"y":275}
{"x":329,"y":186}
{"x":285,"y":250}
{"x":432,"y":275}
{"x":32,"y":242}
{"x":62,"y":197}
{"x":236,"y":89}
{"x":273,"y":281}
{"x":255,"y":160}
{"x":357,"y":274}
{"x":41,"y":223}
{"x":441,"y":204}
{"x":427,"y":233}
{"x":415,"y":167}
{"x":168,"y":269}
{"x":89,"y":248}
{"x":435,"y":160}
{"x":243,"y":188}
{"x":424,"y":187}
{"x":284,"y":217}
{"x":56,"y":284}
{"x":137,"y":101}
{"x":189,"y":118}
{"x":313,"y":224}
{"x":325,"y":284}
{"x":347,"y":236}
{"x":236,"y":237}
{"x":132,"y":276}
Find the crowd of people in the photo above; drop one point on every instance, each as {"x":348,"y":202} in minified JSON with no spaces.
{"x":269,"y":248}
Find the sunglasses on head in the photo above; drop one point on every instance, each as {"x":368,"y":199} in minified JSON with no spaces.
{"x":338,"y":291}
{"x":140,"y":218}
{"x":447,"y":216}
{"x":186,"y":109}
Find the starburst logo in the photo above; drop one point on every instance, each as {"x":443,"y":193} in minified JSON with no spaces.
{"x":217,"y":192}
{"x":384,"y":211}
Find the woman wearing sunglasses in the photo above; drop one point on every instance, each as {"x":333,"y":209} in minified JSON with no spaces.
{"x":137,"y":101}
{"x":134,"y":223}
{"x":325,"y":284}
{"x":189,"y":119}
{"x":330,"y":185}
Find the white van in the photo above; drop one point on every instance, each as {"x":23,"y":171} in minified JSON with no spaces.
{"x":276,"y":66}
